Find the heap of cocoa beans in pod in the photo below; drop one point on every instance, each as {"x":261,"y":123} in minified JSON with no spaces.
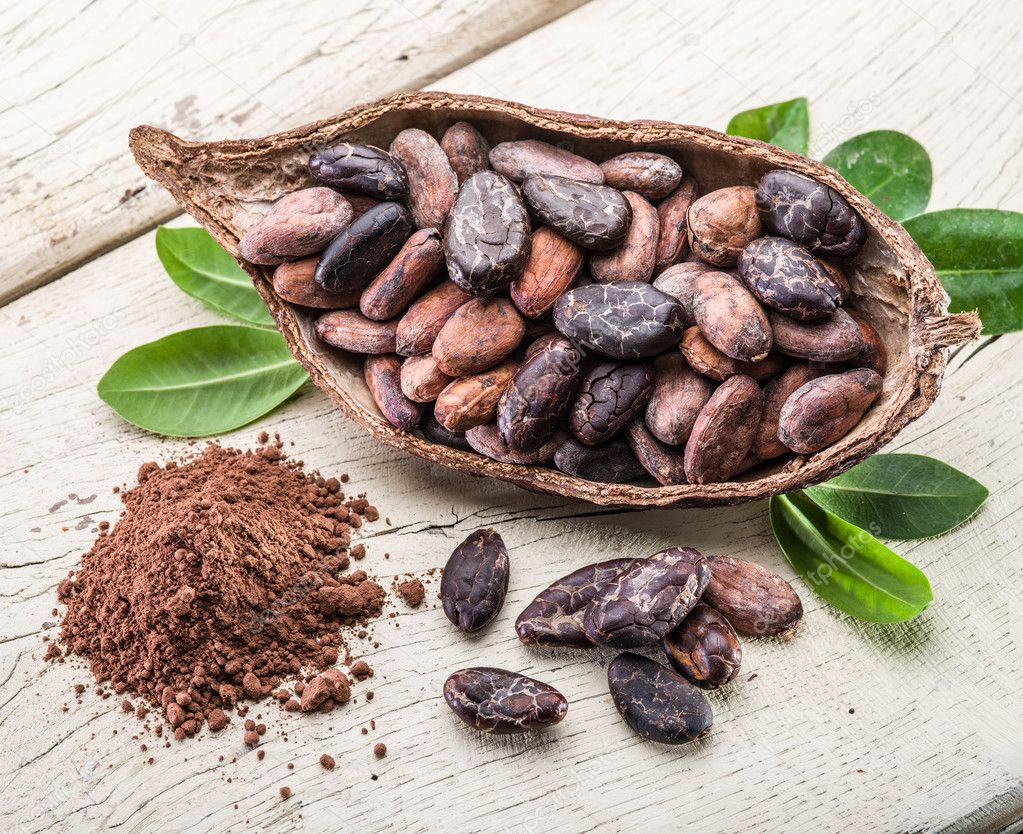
{"x":677,"y":600}
{"x":539,"y":308}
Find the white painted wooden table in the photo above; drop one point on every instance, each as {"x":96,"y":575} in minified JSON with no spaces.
{"x":849,"y":727}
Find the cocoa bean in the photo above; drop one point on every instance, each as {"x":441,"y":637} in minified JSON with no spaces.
{"x":466,"y":149}
{"x":352,"y":331}
{"x":293,"y":281}
{"x":361,"y":203}
{"x":673,"y":226}
{"x":730,"y":317}
{"x":722,"y":223}
{"x":754,"y":600}
{"x":432,"y":184}
{"x":766,"y":444}
{"x":664,"y":464}
{"x":364,"y":169}
{"x":553,"y":265}
{"x":724,"y":430}
{"x":872,"y":354}
{"x":678,"y":397}
{"x":416,"y":264}
{"x":480,"y":334}
{"x":472,"y":400}
{"x":419,"y":327}
{"x":497,"y":701}
{"x":653,"y":175}
{"x":706,"y":359}
{"x":611,"y":394}
{"x":594,"y":216}
{"x":383,"y":377}
{"x":421,"y":379}
{"x":825,"y":409}
{"x":830,"y":340}
{"x":529,"y":157}
{"x":298,"y":224}
{"x":704,"y":648}
{"x":475,"y":580}
{"x":633,"y":260}
{"x":678,"y":281}
{"x":436,"y":433}
{"x":357,"y":254}
{"x":609,"y":463}
{"x":786,"y":277}
{"x":487,"y":441}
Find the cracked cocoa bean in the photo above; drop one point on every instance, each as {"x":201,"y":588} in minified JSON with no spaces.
{"x":356,"y":255}
{"x":480,"y":334}
{"x":497,"y":701}
{"x":634,"y":259}
{"x":609,"y":463}
{"x":553,"y":265}
{"x":298,"y":224}
{"x":652,"y":175}
{"x":293,"y":281}
{"x":555,"y":616}
{"x":707,"y":360}
{"x":872,"y":354}
{"x":672,"y":225}
{"x":436,"y":433}
{"x":418,"y":328}
{"x":472,"y":400}
{"x":656,"y":702}
{"x":352,"y":331}
{"x":611,"y":394}
{"x":416,"y":264}
{"x":487,"y":441}
{"x":810,"y":213}
{"x":753,"y":600}
{"x":722,"y":223}
{"x":724,"y":431}
{"x":421,"y":379}
{"x":647,"y":600}
{"x":766,"y":444}
{"x":486,"y":242}
{"x":525,"y":158}
{"x":466,"y":149}
{"x":364,"y":169}
{"x":594,"y":216}
{"x":786,"y":277}
{"x":432,"y":184}
{"x":678,"y":397}
{"x":475,"y":580}
{"x":625,"y":320}
{"x":383,"y":378}
{"x":704,"y":648}
{"x":825,"y":409}
{"x":665,"y":465}
{"x":730,"y":317}
{"x":831,"y":340}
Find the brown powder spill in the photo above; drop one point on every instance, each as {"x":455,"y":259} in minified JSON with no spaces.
{"x":222,"y":577}
{"x":411,"y":591}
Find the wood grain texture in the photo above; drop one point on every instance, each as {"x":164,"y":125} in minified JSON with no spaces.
{"x":933,"y":743}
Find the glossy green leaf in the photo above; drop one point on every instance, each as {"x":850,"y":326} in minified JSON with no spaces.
{"x":902,"y":496}
{"x":978,"y":254}
{"x":845,"y":565}
{"x":889,"y":167}
{"x":203,"y":381}
{"x":201,"y":267}
{"x":785,"y":124}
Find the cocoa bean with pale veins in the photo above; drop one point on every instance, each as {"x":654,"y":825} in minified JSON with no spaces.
{"x":436,"y":433}
{"x":634,"y":259}
{"x":421,"y":379}
{"x":594,"y":216}
{"x":553,"y":265}
{"x":678,"y":281}
{"x":678,"y":397}
{"x":786,"y":277}
{"x":754,"y":600}
{"x":383,"y":377}
{"x":472,"y":400}
{"x":722,"y":223}
{"x":653,"y":175}
{"x":487,"y":441}
{"x":466,"y":149}
{"x":479,"y":335}
{"x":611,"y":394}
{"x":419,"y":327}
{"x":364,"y":169}
{"x":352,"y":331}
{"x":356,"y":255}
{"x":707,"y":360}
{"x":475,"y":580}
{"x":872,"y":354}
{"x":293,"y":281}
{"x":412,"y":269}
{"x":766,"y":445}
{"x":825,"y":409}
{"x":609,"y":463}
{"x":665,"y":465}
{"x":730,"y":317}
{"x":831,"y":340}
{"x":723,"y":434}
{"x":298,"y":224}
{"x":432,"y":184}
{"x":704,"y":648}
{"x":525,"y":158}
{"x":498,"y":701}
{"x":673,"y":225}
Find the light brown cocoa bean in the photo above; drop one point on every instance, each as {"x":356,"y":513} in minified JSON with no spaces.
{"x":831,"y":340}
{"x":724,"y":430}
{"x":678,"y":281}
{"x":432,"y":184}
{"x":383,"y":376}
{"x":825,"y":409}
{"x":415,"y":265}
{"x":753,"y":600}
{"x":672,"y":225}
{"x":298,"y":224}
{"x":352,"y":331}
{"x":479,"y":335}
{"x":664,"y":464}
{"x":487,"y":441}
{"x":553,"y":265}
{"x":467,"y":150}
{"x":472,"y":400}
{"x":420,"y":325}
{"x":293,"y":281}
{"x":730,"y":317}
{"x":653,"y":175}
{"x":421,"y":379}
{"x":634,"y":259}
{"x":528,"y":157}
{"x":723,"y":223}
{"x":766,"y":445}
{"x":679,"y":395}
{"x":873,"y":354}
{"x":706,"y":359}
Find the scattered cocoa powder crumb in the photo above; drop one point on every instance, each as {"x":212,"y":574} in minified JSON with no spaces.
{"x":262,"y":437}
{"x":291,"y":765}
{"x":250,"y":738}
{"x":327,"y":762}
{"x":411,"y":591}
{"x":359,"y":551}
{"x":286,"y":792}
{"x":361,"y":670}
{"x":369,"y":695}
{"x":79,"y":688}
{"x":260,"y":754}
{"x":379,"y":749}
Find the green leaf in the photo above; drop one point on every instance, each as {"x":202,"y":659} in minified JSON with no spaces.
{"x":978,"y":254}
{"x":203,"y":381}
{"x":902,"y":496}
{"x":846,"y":566}
{"x":785,"y":124}
{"x":889,"y":167}
{"x":201,"y":267}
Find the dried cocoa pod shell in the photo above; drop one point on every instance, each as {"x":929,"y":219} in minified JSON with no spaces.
{"x":472,"y":400}
{"x":665,"y":465}
{"x":704,"y":648}
{"x":501,"y":702}
{"x":418,"y":328}
{"x":487,"y":441}
{"x":436,"y":433}
{"x":647,"y":600}
{"x":730,"y":317}
{"x":298,"y":224}
{"x":421,"y":379}
{"x":707,"y":360}
{"x":352,"y":331}
{"x":293,"y":281}
{"x":383,"y":378}
{"x":825,"y":409}
{"x":364,"y":248}
{"x":540,"y":393}
{"x":766,"y":444}
{"x":678,"y":281}
{"x":611,"y":394}
{"x":810,"y":213}
{"x":724,"y":431}
{"x":722,"y":224}
{"x":364,"y":169}
{"x":634,"y":259}
{"x":480,"y":334}
{"x":416,"y":264}
{"x":594,"y":216}
{"x":475,"y":580}
{"x":555,"y":616}
{"x":872,"y":354}
{"x":466,"y":149}
{"x":786,"y":277}
{"x":673,"y":225}
{"x":656,"y":702}
{"x":525,"y":158}
{"x":609,"y":463}
{"x":432,"y":184}
{"x":486,"y":242}
{"x":553,"y":265}
{"x":652,"y":175}
{"x":754,"y":600}
{"x":678,"y":397}
{"x":831,"y":340}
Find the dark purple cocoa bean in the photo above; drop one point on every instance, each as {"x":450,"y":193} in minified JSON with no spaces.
{"x":672,"y":225}
{"x":416,"y":264}
{"x":611,"y":394}
{"x":437,"y":433}
{"x":722,"y":223}
{"x":487,"y":441}
{"x":475,"y":580}
{"x":657,"y":703}
{"x":871,"y":355}
{"x":664,"y":464}
{"x":704,"y":648}
{"x":678,"y":397}
{"x":529,"y":157}
{"x":825,"y":409}
{"x":383,"y":377}
{"x":609,"y":463}
{"x":363,"y":169}
{"x":730,"y":317}
{"x":432,"y":184}
{"x":293,"y":281}
{"x":786,"y":277}
{"x":647,"y":600}
{"x":497,"y":701}
{"x":555,"y":616}
{"x":724,"y":431}
{"x":754,"y":600}
{"x":298,"y":224}
{"x":419,"y":327}
{"x":352,"y":331}
{"x":467,"y":150}
{"x":831,"y":340}
{"x":766,"y":444}
{"x":357,"y":254}
{"x":653,"y":175}
{"x":594,"y":216}
{"x":634,"y":259}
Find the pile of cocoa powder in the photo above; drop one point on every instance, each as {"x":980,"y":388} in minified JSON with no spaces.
{"x":223,"y":577}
